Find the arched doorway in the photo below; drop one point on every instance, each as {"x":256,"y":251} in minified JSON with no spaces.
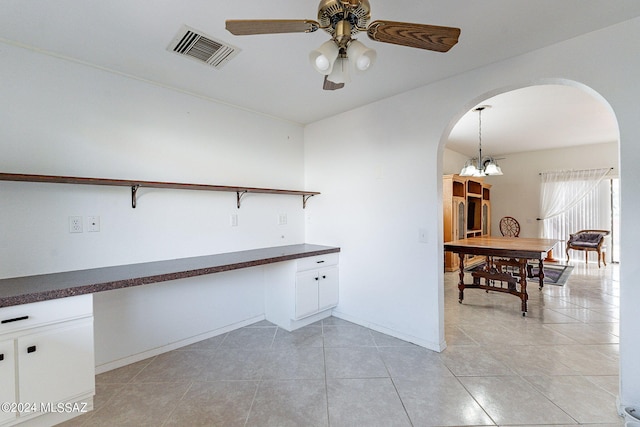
{"x":484,"y":324}
{"x":527,"y":129}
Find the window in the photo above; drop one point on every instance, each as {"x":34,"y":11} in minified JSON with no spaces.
{"x":573,"y":201}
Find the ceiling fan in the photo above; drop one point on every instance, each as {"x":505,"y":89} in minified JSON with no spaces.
{"x":343,"y":19}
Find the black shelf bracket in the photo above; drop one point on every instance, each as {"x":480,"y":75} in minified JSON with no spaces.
{"x":239,"y":195}
{"x":306,"y":197}
{"x":134,"y":192}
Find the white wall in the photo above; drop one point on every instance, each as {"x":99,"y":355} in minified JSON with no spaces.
{"x":379,"y":192}
{"x":63,"y":118}
{"x":136,"y":323}
{"x":517,"y":192}
{"x":452,"y":162}
{"x":383,"y":181}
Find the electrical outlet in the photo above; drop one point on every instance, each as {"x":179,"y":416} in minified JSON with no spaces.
{"x":233,"y":220}
{"x":75,"y":224}
{"x":282,"y":219}
{"x":93,"y":223}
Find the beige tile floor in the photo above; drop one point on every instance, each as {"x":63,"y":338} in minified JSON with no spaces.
{"x":557,"y":366}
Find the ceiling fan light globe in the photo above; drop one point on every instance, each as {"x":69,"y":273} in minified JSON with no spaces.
{"x":363,"y":63}
{"x":362,"y":57}
{"x":322,"y":63}
{"x":323,"y":58}
{"x":340,"y":72}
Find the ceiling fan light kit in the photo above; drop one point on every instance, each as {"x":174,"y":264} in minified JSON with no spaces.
{"x":328,"y":60}
{"x":343,"y":19}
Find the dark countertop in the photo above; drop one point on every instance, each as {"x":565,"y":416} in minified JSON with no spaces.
{"x":28,"y":289}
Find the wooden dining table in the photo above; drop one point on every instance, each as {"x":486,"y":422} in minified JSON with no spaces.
{"x":507,"y":264}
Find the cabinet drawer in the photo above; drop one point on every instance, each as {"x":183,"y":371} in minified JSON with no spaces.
{"x":24,"y":316}
{"x":319,"y":261}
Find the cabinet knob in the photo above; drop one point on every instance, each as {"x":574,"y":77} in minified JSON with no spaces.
{"x":31,"y":349}
{"x":324,"y":277}
{"x":316,"y":278}
{"x":1,"y":357}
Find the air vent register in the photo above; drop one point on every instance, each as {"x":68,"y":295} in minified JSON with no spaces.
{"x":202,"y":48}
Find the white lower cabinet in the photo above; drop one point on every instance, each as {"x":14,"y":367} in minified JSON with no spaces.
{"x":7,"y":378}
{"x":47,"y":373}
{"x":301,"y":292}
{"x":328,"y":290}
{"x":316,"y":290}
{"x":57,"y":364}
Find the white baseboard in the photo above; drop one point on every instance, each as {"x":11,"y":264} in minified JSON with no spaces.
{"x":438,"y":347}
{"x":172,"y":346}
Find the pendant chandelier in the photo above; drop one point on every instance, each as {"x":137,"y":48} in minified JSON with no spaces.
{"x":480,"y":166}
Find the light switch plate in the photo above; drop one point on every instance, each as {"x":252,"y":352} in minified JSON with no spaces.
{"x":423,"y":236}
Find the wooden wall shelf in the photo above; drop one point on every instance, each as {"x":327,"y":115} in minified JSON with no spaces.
{"x":135,"y":185}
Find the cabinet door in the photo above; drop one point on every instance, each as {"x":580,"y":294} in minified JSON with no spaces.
{"x":306,"y":293}
{"x":328,"y":290}
{"x":56,"y":364}
{"x":7,"y":378}
{"x":486,"y":219}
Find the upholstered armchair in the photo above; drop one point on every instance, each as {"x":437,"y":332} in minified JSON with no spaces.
{"x":588,"y":240}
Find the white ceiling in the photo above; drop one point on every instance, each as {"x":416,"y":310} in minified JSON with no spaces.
{"x":272,"y":75}
{"x":534,"y":118}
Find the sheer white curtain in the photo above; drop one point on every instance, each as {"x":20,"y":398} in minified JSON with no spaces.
{"x":569,"y":201}
{"x":562,"y":190}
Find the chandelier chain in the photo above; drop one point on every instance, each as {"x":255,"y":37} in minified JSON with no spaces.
{"x":480,"y":166}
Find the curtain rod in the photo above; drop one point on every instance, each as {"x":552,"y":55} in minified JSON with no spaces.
{"x":577,"y":170}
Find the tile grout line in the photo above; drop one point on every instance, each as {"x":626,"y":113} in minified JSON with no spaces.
{"x":326,"y":383}
{"x":259,"y":381}
{"x":473,"y":397}
{"x":166,"y":420}
{"x":552,"y":402}
{"x":253,"y":400}
{"x":393,"y":383}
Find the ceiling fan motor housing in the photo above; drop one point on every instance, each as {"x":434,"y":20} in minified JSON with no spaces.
{"x":356,"y":12}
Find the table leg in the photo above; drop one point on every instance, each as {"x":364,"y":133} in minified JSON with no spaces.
{"x":540,"y":273}
{"x":461,"y":282}
{"x":523,"y":285}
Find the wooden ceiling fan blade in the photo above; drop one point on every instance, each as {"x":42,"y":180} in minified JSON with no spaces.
{"x":421,"y":36}
{"x":244,"y":27}
{"x":329,"y":85}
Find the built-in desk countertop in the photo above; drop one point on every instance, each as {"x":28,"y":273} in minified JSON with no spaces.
{"x":28,"y":289}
